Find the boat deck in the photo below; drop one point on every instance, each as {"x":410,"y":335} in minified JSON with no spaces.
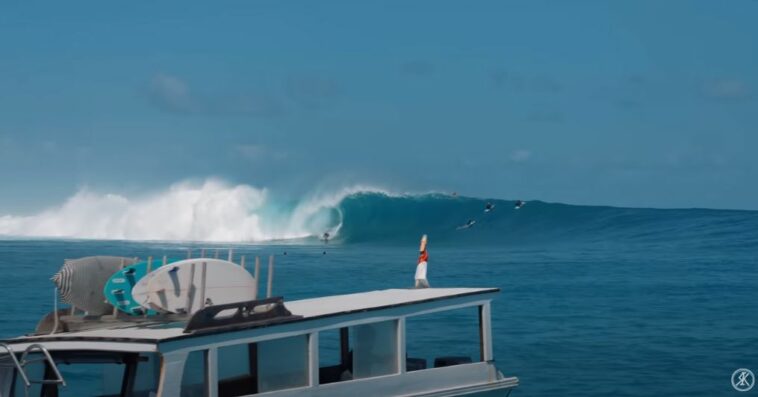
{"x":309,"y":309}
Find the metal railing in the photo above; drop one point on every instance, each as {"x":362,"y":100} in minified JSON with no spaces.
{"x":21,"y":364}
{"x":13,"y":364}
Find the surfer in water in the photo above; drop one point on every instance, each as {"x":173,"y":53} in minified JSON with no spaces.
{"x":468,"y":224}
{"x":519,"y":204}
{"x":423,"y":257}
{"x":489,"y":207}
{"x":325,"y":237}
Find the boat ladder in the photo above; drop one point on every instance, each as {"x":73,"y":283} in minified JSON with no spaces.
{"x":19,"y":365}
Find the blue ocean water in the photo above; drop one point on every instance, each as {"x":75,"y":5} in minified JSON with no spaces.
{"x":595,"y":301}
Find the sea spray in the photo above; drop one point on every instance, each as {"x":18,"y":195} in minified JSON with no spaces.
{"x":209,"y":211}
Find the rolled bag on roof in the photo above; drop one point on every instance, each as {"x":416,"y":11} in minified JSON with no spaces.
{"x":81,"y":281}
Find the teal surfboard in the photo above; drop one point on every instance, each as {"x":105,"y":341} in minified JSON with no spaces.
{"x":118,"y":288}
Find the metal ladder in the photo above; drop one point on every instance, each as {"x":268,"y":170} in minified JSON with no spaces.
{"x":19,"y":365}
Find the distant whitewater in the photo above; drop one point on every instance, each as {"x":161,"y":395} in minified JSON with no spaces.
{"x":210,"y":211}
{"x":216,"y":211}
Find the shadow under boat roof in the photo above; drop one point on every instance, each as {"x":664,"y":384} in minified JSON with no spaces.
{"x":322,"y":312}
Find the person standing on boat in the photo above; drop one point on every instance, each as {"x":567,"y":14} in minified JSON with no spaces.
{"x":423,"y":257}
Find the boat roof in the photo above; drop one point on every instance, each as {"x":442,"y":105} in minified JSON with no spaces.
{"x":309,"y":309}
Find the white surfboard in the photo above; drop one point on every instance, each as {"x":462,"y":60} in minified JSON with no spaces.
{"x":466,"y":226}
{"x":177,"y":287}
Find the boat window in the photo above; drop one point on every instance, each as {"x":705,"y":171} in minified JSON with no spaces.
{"x":264,"y":366}
{"x":335,"y":356}
{"x":442,"y":339}
{"x":375,"y":349}
{"x":283,"y":363}
{"x":237,"y":370}
{"x":92,"y":373}
{"x":102,"y":379}
{"x":195,"y":376}
{"x":7,"y":373}
{"x":147,"y":375}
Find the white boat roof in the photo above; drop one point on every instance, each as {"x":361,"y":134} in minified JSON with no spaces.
{"x":307,"y":308}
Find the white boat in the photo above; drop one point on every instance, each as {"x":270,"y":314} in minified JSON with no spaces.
{"x":264,"y":347}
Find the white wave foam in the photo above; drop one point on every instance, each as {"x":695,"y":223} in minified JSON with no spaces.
{"x":210,"y":211}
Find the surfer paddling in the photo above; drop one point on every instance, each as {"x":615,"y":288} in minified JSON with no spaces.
{"x":421,"y":281}
{"x":467,"y":225}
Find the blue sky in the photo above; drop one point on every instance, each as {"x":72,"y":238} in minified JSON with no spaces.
{"x":640,"y":103}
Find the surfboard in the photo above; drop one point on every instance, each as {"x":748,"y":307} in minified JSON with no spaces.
{"x":422,"y":246}
{"x":118,"y":288}
{"x":466,"y":226}
{"x":81,"y":281}
{"x":177,"y":287}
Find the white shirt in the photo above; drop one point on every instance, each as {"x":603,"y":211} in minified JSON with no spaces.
{"x":421,"y":271}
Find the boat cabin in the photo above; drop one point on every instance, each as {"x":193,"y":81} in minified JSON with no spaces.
{"x":363,"y":344}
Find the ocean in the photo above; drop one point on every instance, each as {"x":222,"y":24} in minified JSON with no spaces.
{"x":595,"y":301}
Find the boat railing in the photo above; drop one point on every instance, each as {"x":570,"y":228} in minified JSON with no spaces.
{"x":25,"y":360}
{"x":47,"y":358}
{"x":13,"y":362}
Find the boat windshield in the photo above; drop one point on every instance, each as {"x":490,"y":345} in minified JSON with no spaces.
{"x":86,"y":373}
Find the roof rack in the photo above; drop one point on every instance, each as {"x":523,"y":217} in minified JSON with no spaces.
{"x":248,"y":314}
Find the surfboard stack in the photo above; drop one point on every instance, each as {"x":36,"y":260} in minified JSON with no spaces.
{"x":98,"y":284}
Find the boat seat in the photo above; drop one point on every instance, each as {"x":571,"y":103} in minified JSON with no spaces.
{"x":451,"y":360}
{"x":239,"y":386}
{"x":329,"y":374}
{"x":414,"y":364}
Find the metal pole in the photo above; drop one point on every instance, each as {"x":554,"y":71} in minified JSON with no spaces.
{"x":256,"y":274}
{"x":149,"y":269}
{"x":188,"y":306}
{"x":231,"y":255}
{"x":189,"y":253}
{"x":242,"y":261}
{"x":202,"y":253}
{"x":216,"y":254}
{"x":115,"y":309}
{"x":270,"y":276}
{"x":55,"y":310}
{"x":202,"y":285}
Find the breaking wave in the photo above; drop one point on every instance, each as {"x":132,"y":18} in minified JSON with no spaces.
{"x":378,"y":217}
{"x":210,"y":211}
{"x":217,"y":211}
